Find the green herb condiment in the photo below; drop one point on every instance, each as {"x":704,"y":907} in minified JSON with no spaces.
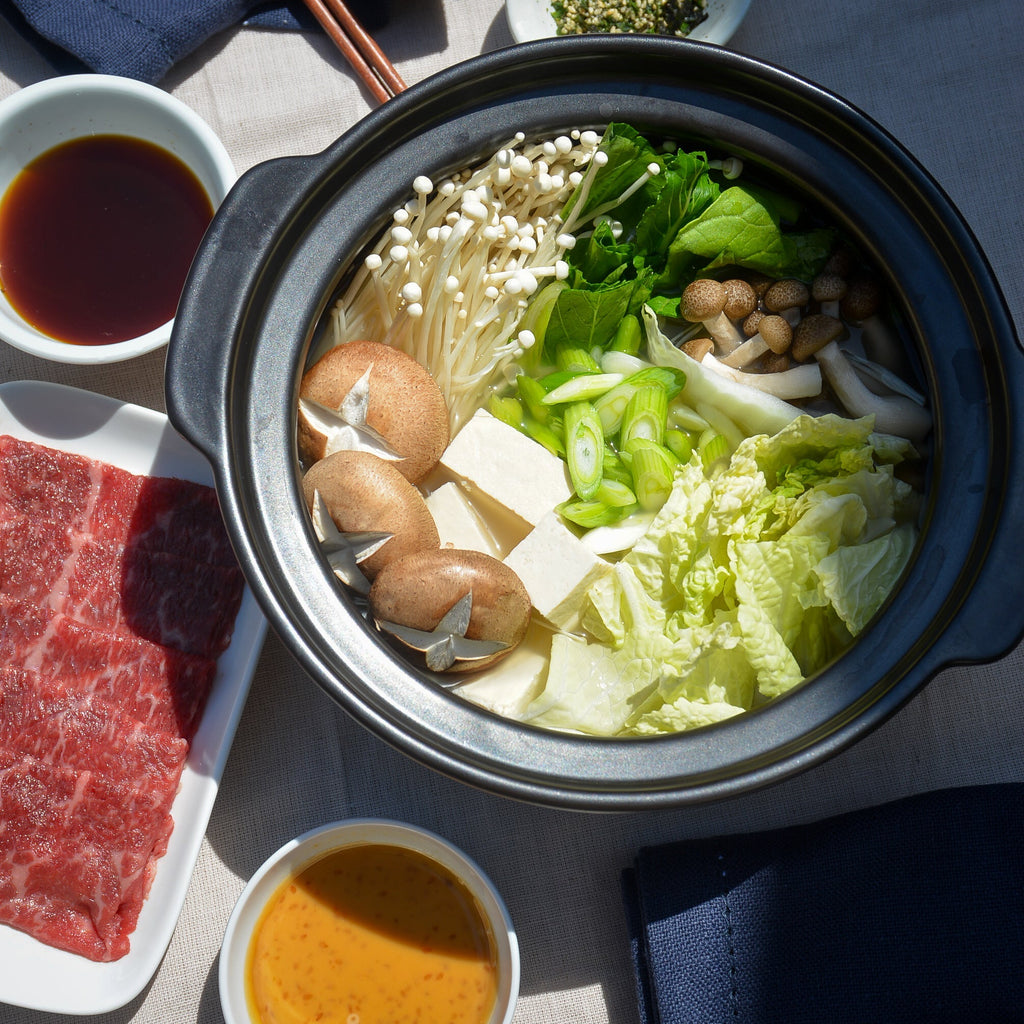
{"x":645,"y":17}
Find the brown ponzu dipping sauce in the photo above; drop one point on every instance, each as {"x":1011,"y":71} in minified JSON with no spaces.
{"x":97,"y":236}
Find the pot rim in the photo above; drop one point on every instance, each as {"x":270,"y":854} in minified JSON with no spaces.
{"x":266,"y":310}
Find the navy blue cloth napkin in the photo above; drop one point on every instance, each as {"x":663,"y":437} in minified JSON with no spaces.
{"x":144,"y":39}
{"x":909,"y":912}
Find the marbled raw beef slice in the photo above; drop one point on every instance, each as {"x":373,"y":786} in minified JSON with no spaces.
{"x":71,"y":873}
{"x":146,"y":679}
{"x":177,"y":602}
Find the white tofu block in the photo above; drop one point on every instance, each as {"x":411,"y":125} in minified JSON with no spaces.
{"x":458,"y":523}
{"x":508,"y":467}
{"x":508,"y":687}
{"x":557,"y":569}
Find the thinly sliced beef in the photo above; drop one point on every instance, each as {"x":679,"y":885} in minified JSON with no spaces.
{"x":78,"y":850}
{"x":149,"y":680}
{"x":117,"y":593}
{"x":50,"y":720}
{"x":111,"y":504}
{"x":162,"y":597}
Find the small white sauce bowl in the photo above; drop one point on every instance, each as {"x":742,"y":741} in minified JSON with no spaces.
{"x":56,"y":110}
{"x":532,"y":19}
{"x":299,"y":853}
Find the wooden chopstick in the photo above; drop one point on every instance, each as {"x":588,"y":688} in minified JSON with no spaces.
{"x":358,"y":47}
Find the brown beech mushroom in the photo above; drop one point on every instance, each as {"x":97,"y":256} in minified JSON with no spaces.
{"x":775,"y":362}
{"x":703,"y":301}
{"x":800,"y":381}
{"x":401,"y":405}
{"x":698,"y":348}
{"x":773,"y":335}
{"x":759,"y":282}
{"x":860,"y":306}
{"x":419,"y":591}
{"x":363,"y":493}
{"x":828,"y":290}
{"x":749,"y":325}
{"x":787,"y":297}
{"x":740,"y":298}
{"x":814,"y":332}
{"x":894,"y":414}
{"x":840,"y":261}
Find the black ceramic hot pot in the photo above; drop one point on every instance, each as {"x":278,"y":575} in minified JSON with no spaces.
{"x":283,"y":241}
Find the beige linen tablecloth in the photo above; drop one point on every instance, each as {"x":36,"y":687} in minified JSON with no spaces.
{"x":944,"y":77}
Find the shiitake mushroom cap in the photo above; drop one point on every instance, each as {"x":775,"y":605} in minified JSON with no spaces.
{"x":365,"y":493}
{"x":406,"y":406}
{"x":418,"y":589}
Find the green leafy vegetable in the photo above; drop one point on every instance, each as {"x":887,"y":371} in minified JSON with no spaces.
{"x":750,"y":578}
{"x":741,"y":228}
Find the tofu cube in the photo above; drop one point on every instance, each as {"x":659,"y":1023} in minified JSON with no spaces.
{"x":458,"y":523}
{"x":507,"y":467}
{"x":557,"y":569}
{"x":507,"y":687}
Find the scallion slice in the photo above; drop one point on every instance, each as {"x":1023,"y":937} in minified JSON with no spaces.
{"x":584,"y":448}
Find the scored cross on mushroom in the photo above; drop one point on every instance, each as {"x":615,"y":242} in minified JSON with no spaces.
{"x":418,"y":592}
{"x":398,"y":401}
{"x":365,"y":494}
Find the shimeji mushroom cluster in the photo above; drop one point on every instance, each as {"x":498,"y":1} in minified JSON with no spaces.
{"x":785,"y":337}
{"x":450,"y":279}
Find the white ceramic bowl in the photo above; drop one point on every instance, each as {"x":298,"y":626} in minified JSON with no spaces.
{"x":532,"y":19}
{"x":56,"y":110}
{"x":298,"y":854}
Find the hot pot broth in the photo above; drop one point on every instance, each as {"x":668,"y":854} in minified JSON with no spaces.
{"x":701,"y":522}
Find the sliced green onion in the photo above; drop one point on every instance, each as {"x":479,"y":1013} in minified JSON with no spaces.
{"x":576,"y":360}
{"x":615,"y":468}
{"x":611,"y":405}
{"x":591,"y":514}
{"x":712,"y":447}
{"x":653,"y":468}
{"x":552,"y":380}
{"x":679,"y":443}
{"x":508,"y":410}
{"x":615,"y":493}
{"x":671,"y":379}
{"x":621,"y":362}
{"x":531,"y":394}
{"x":543,"y":433}
{"x":584,"y":448}
{"x":685,"y":418}
{"x":644,"y":415}
{"x":627,"y":336}
{"x":583,"y":388}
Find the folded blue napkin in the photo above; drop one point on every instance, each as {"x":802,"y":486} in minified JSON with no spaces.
{"x":908,"y":913}
{"x":144,"y":39}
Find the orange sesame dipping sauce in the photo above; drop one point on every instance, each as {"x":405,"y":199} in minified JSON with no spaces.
{"x":372,"y":933}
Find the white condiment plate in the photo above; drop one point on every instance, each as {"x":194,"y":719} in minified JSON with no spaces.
{"x":532,"y":19}
{"x":140,"y":440}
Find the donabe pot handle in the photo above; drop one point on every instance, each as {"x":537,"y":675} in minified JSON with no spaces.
{"x":991,"y":622}
{"x":217,"y":296}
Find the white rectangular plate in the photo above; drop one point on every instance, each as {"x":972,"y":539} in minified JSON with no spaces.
{"x":142,"y":441}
